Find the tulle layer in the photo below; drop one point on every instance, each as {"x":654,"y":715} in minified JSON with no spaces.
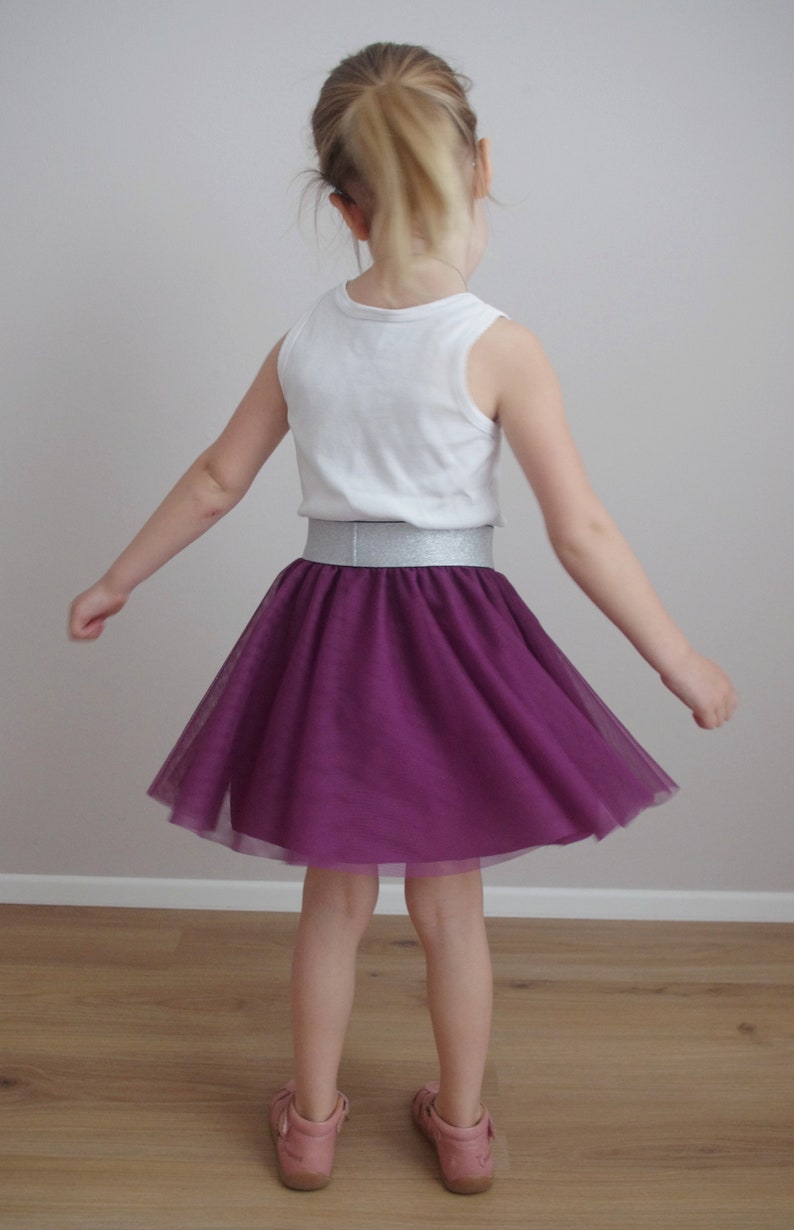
{"x":412,"y":721}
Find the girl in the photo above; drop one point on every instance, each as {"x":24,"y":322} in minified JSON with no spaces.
{"x":393,"y":706}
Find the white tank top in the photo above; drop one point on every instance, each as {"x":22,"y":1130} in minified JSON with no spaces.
{"x":385,"y":428}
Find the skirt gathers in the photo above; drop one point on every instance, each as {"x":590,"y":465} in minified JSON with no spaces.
{"x":406,"y":720}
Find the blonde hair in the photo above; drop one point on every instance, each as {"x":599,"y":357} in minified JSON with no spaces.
{"x":393,"y":129}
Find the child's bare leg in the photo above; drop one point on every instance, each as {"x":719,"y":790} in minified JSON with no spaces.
{"x":447,"y":912}
{"x":337,"y":907}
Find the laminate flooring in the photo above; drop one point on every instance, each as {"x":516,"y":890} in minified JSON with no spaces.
{"x":641,"y":1076}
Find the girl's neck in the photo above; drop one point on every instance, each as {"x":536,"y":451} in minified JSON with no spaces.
{"x":429,"y":278}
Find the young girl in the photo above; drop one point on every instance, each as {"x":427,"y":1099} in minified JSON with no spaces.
{"x":393,"y":706}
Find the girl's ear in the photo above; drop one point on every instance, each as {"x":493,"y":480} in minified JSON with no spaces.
{"x":482,"y":169}
{"x":353,"y":215}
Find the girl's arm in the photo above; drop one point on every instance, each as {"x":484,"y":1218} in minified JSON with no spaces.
{"x":584,"y":537}
{"x":216,"y":481}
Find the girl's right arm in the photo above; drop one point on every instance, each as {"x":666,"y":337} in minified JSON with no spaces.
{"x":216,"y":481}
{"x":585,"y":539}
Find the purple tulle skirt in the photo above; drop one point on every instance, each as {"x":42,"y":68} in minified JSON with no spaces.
{"x":413,"y":721}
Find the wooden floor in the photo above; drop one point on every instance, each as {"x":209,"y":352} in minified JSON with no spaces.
{"x":642,"y":1075}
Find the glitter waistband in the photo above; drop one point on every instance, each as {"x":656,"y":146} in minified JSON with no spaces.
{"x":395,"y":544}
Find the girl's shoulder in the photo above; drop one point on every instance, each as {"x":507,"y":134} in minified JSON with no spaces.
{"x":510,"y":341}
{"x":510,"y":348}
{"x":506,"y":364}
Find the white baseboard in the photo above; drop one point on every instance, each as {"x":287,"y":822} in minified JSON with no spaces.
{"x":500,"y":902}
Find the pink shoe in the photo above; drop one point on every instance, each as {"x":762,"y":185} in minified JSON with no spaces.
{"x":304,"y":1149}
{"x":463,"y":1153}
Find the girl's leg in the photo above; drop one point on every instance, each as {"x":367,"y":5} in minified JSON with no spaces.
{"x":337,"y":907}
{"x":447,"y":912}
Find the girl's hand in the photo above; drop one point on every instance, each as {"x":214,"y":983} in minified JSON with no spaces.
{"x":89,"y":611}
{"x":704,"y":688}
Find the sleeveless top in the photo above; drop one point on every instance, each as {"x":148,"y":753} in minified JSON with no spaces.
{"x":384,"y":426}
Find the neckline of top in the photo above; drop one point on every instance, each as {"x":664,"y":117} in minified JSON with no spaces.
{"x":368,"y":310}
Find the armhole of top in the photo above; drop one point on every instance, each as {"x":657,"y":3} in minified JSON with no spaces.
{"x":290,"y":339}
{"x":460,"y":373}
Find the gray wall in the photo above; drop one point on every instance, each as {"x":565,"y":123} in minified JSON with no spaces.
{"x":152,"y":156}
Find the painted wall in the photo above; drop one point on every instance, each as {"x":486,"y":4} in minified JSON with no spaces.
{"x":152,"y":157}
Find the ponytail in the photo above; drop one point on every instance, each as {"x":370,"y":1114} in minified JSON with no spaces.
{"x":392,"y":129}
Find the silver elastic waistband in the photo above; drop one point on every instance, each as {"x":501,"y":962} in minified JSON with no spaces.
{"x":395,"y":544}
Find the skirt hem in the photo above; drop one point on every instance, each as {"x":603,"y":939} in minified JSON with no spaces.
{"x":244,"y":843}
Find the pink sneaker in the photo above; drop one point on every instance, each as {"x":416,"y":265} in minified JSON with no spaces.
{"x":463,"y":1153}
{"x":304,"y":1149}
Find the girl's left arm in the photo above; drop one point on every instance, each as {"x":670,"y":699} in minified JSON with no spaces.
{"x":585,"y":538}
{"x":214,"y":483}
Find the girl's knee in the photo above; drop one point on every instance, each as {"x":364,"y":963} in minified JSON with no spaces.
{"x":436,"y":903}
{"x":340,"y":895}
